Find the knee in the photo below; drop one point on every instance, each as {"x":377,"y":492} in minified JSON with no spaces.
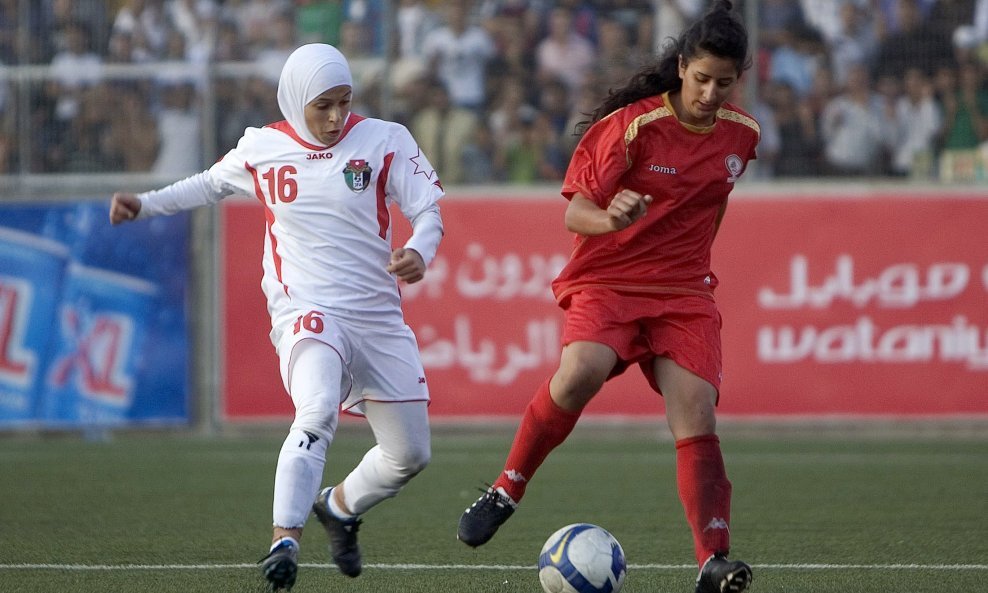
{"x":689,"y":416}
{"x":319,"y":416}
{"x":573,"y":386}
{"x":411,"y":461}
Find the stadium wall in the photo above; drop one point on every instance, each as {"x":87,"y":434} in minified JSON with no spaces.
{"x":838,"y":301}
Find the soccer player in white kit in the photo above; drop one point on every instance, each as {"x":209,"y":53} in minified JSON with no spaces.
{"x":326,"y":178}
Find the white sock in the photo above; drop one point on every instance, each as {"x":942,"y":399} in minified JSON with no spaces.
{"x":297,"y":478}
{"x":336,"y":510}
{"x":291,"y":541}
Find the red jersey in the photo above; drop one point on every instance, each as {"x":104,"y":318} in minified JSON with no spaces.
{"x":689,"y":172}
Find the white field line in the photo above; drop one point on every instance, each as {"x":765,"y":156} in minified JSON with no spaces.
{"x":139,"y":567}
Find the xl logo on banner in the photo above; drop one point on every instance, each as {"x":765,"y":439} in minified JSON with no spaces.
{"x":16,"y":362}
{"x":100,"y":344}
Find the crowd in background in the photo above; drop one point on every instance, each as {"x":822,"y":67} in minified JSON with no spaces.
{"x":493,"y":89}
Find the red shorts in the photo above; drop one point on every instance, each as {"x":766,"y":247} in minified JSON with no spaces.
{"x":639,"y":327}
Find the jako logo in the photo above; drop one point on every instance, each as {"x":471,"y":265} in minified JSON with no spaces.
{"x":315,"y":156}
{"x":661,"y":169}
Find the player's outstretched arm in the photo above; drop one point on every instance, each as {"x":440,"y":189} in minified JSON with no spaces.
{"x":124,"y":207}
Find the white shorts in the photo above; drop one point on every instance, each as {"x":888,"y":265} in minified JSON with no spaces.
{"x":382,"y":361}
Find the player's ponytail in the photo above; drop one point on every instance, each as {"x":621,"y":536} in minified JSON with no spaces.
{"x":719,"y":33}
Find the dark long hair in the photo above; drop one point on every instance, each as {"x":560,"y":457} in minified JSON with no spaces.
{"x":719,"y":33}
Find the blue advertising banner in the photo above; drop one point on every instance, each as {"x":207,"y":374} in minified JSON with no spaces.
{"x":92,"y":318}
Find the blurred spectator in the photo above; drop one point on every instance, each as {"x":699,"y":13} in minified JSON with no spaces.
{"x":947,"y":15}
{"x":822,"y":90}
{"x":980,"y":20}
{"x":414,"y":21}
{"x":855,"y":129}
{"x":825,"y":15}
{"x":966,"y":110}
{"x":442,"y":129}
{"x":775,"y":17}
{"x":673,"y":16}
{"x":369,"y":13}
{"x":855,"y":42}
{"x":9,"y":26}
{"x":458,"y":54}
{"x":83,"y":153}
{"x":636,"y":18}
{"x":247,"y":102}
{"x":564,"y":54}
{"x":769,"y":142}
{"x":57,"y":15}
{"x":590,"y":96}
{"x":120,"y":49}
{"x":887,"y":13}
{"x":479,"y":156}
{"x":355,"y":40}
{"x":583,"y":15}
{"x":409,"y":82}
{"x":229,"y":43}
{"x":799,"y":141}
{"x":618,"y":57}
{"x":131,"y":138}
{"x":918,"y":122}
{"x":319,"y":21}
{"x":178,"y":119}
{"x":199,"y":23}
{"x":510,"y":106}
{"x":190,"y":17}
{"x":532,"y":154}
{"x":145,"y":21}
{"x":801,"y":53}
{"x":279,"y":42}
{"x":514,"y":58}
{"x":966,"y":44}
{"x":554,"y":106}
{"x":72,"y":71}
{"x":915,"y":43}
{"x":253,"y":17}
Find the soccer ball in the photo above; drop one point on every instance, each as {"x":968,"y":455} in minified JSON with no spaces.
{"x":582,"y":558}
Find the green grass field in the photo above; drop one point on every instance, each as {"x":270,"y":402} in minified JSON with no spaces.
{"x":166,"y":512}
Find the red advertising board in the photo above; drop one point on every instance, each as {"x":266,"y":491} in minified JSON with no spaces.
{"x":858,"y":305}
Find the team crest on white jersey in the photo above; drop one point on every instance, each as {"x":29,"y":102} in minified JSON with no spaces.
{"x":357,"y":174}
{"x":735,"y":166}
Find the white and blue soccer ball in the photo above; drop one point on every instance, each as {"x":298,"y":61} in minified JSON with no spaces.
{"x":582,"y":558}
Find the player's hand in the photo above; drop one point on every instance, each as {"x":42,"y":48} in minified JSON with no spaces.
{"x":124,"y":207}
{"x":627,"y":207}
{"x":407,"y":265}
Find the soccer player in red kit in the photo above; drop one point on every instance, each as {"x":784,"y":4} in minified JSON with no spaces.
{"x":647,"y":189}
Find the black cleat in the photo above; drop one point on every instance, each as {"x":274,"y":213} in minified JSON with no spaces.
{"x":342,"y":535}
{"x":480,"y":522}
{"x":720,"y":575}
{"x":280,"y":566}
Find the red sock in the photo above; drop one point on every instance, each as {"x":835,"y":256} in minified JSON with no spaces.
{"x":705,"y":492}
{"x":543,"y":428}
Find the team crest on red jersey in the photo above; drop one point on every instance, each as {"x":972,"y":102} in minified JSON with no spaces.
{"x":735,"y":166}
{"x":357,"y":174}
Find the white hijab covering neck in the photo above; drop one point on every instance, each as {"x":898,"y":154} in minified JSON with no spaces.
{"x":310,"y":71}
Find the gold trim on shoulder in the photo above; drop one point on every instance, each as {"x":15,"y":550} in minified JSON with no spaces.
{"x":631,"y":132}
{"x":740,"y":118}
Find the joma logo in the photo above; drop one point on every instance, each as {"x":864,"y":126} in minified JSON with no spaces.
{"x":661,"y":169}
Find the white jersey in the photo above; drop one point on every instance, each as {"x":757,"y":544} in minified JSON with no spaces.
{"x":328,"y":234}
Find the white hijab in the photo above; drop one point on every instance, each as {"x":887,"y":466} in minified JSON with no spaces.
{"x":310,"y":71}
